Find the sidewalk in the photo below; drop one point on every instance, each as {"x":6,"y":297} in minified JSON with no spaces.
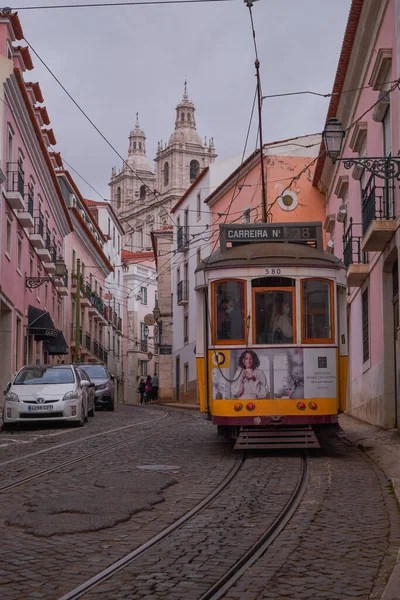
{"x":383,"y":447}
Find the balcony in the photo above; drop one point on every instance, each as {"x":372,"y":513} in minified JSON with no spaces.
{"x":15,"y":186}
{"x":50,"y":265}
{"x":74,"y":331}
{"x":62,"y":285}
{"x":100,"y":351}
{"x":44,"y":253}
{"x":183,"y":239}
{"x":36,"y":235}
{"x":87,"y":344}
{"x":143,"y":346}
{"x":355,"y":259}
{"x":119,"y":325}
{"x":183,"y":293}
{"x":25,"y":215}
{"x":378,"y":215}
{"x":86,"y":299}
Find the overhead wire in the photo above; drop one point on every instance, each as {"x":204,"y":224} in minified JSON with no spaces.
{"x":114,"y":4}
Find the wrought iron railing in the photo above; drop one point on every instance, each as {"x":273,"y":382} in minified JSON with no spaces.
{"x":88,"y":341}
{"x":47,"y":240}
{"x":182,"y":237}
{"x":28,"y":196}
{"x":15,"y":178}
{"x":53,"y":254}
{"x":39,"y":224}
{"x":143,"y":346}
{"x":377,"y":203}
{"x":119,"y":324}
{"x":352,"y":246}
{"x":183,"y":291}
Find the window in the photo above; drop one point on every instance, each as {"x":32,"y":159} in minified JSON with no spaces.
{"x":178,"y":278}
{"x":156,"y":369}
{"x":229,"y":311}
{"x":31,"y":266}
{"x":143,"y":368}
{"x":142,"y":192}
{"x":134,"y":145}
{"x":186,"y":328}
{"x":182,"y":116}
{"x":199,"y":206}
{"x":119,"y":274}
{"x":109,"y":228}
{"x":140,"y":145}
{"x":317,"y":309}
{"x":166,"y":173}
{"x":186,"y":377}
{"x":274,"y":310}
{"x":143,"y":295}
{"x":365,"y":324}
{"x":114,"y":237}
{"x":143,"y":337}
{"x":194,"y":170}
{"x":10,"y":145}
{"x":8,"y":237}
{"x":18,"y":344}
{"x":188,"y":117}
{"x":118,"y":351}
{"x":19,"y":253}
{"x":73,"y":261}
{"x":119,"y":244}
{"x":118,"y":197}
{"x":198,"y":256}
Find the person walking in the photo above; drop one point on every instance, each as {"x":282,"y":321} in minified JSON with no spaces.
{"x":154,"y":383}
{"x":149,"y":389}
{"x":141,"y":390}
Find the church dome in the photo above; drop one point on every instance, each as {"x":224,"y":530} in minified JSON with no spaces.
{"x":185,"y":123}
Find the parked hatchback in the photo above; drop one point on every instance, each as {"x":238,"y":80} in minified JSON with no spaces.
{"x":47,"y":392}
{"x":104,"y":388}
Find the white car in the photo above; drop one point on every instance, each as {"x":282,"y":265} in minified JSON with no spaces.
{"x":48,"y":392}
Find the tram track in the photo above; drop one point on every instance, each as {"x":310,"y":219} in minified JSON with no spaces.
{"x":220,"y":587}
{"x":38,"y":474}
{"x":79,"y":440}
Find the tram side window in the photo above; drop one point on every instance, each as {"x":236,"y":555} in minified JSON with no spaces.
{"x":317,"y":311}
{"x":229,"y":310}
{"x":273,"y":316}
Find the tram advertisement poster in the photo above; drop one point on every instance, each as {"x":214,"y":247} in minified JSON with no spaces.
{"x":291,"y":373}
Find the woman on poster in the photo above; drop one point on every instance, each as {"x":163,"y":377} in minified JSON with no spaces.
{"x":250,"y":382}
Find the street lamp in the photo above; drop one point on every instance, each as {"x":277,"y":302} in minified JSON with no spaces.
{"x":156,"y":313}
{"x":35,"y":282}
{"x":384,"y":167}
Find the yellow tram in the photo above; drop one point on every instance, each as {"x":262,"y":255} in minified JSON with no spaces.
{"x":271,"y":343}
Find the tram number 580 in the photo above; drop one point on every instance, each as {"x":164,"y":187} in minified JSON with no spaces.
{"x":273,"y":271}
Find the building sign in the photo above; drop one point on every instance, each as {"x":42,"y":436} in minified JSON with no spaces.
{"x":310,"y":233}
{"x":273,"y":373}
{"x":164,"y":349}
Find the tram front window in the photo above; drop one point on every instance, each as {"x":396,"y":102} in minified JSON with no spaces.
{"x":317,"y":311}
{"x":274,"y":316}
{"x":229,"y":310}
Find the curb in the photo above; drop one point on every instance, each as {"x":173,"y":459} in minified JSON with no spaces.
{"x":392,"y":589}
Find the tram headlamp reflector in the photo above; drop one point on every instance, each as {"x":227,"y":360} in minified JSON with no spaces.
{"x":250,"y":406}
{"x":313,"y":405}
{"x":301,"y":405}
{"x":238,"y":407}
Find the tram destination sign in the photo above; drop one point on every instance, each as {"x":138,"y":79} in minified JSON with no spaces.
{"x":303,"y":233}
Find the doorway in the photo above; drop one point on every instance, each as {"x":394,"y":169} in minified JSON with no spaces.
{"x":177,"y":377}
{"x":395,"y":302}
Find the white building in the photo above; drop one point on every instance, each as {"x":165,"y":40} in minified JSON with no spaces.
{"x":140,"y":282}
{"x":191,"y":244}
{"x":114,"y":297}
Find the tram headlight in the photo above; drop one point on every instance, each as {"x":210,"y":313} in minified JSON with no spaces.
{"x":301,"y":405}
{"x":313,"y":405}
{"x":238,"y":407}
{"x":250,"y":406}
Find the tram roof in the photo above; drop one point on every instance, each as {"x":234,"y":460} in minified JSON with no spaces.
{"x":264,"y":253}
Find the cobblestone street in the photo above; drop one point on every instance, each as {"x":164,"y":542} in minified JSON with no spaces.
{"x":64,"y":527}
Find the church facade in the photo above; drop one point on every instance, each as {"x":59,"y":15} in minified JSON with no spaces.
{"x":142,"y":197}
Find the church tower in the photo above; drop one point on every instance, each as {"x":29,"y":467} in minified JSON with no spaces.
{"x":141,"y":198}
{"x":180,"y":162}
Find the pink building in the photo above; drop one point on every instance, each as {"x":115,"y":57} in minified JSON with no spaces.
{"x":362,"y":208}
{"x":238,"y":198}
{"x":34,"y":220}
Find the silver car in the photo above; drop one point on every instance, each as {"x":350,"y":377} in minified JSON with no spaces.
{"x":104,"y":387}
{"x":48,"y":392}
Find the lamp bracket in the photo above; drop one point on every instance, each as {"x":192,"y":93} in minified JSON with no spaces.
{"x":384,"y":168}
{"x":35,"y":282}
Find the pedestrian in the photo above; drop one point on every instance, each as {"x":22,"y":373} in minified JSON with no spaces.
{"x":141,"y":389}
{"x":154,"y":383}
{"x":149,"y":389}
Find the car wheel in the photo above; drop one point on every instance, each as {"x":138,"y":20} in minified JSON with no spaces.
{"x":111,"y":406}
{"x":81,"y":421}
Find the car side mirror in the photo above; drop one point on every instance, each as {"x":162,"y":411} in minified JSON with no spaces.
{"x":91,"y":384}
{"x":85,"y":383}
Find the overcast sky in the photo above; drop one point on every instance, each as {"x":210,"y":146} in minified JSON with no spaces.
{"x":116,"y":61}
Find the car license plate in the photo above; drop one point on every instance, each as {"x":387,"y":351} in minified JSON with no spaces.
{"x":40,"y":407}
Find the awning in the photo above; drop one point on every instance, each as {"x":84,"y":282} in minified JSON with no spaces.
{"x":57,"y":345}
{"x":40,"y":324}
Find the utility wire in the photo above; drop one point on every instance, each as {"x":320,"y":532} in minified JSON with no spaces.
{"x":6,"y":10}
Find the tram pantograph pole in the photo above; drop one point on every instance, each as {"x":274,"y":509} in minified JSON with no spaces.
{"x":263,"y":191}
